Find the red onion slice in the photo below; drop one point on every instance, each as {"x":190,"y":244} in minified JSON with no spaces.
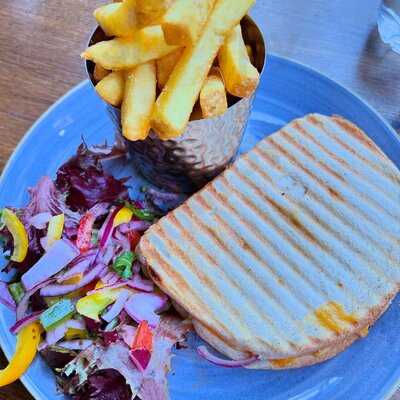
{"x":61,"y":290}
{"x":110,"y":278}
{"x":75,"y":324}
{"x":134,"y":226}
{"x":39,"y":221}
{"x":106,"y":255}
{"x":5,"y":297}
{"x":107,"y":287}
{"x":203,"y":352}
{"x":108,"y":227}
{"x":143,"y":306}
{"x":53,"y":261}
{"x":122,"y":240}
{"x":136,"y":267}
{"x":25,"y":321}
{"x":78,"y":266}
{"x":114,"y":279}
{"x":117,"y":307}
{"x":56,"y":334}
{"x":99,"y":209}
{"x":106,"y":277}
{"x":82,"y":344}
{"x":105,"y":232}
{"x":139,"y":283}
{"x":106,"y":223}
{"x":43,"y":242}
{"x":23,"y":305}
{"x":53,"y":336}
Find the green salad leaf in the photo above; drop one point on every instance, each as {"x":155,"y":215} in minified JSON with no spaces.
{"x":140,"y":213}
{"x":123,"y":264}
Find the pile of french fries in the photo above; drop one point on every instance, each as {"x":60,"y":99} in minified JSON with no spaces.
{"x":170,"y":61}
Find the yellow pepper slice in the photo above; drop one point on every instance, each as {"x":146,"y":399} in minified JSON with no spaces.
{"x":99,"y":284}
{"x":50,"y":300}
{"x":55,"y":229}
{"x":27,"y":342}
{"x":73,"y":333}
{"x":18,"y":233}
{"x":124,"y":215}
{"x":74,"y":279}
{"x":91,"y":306}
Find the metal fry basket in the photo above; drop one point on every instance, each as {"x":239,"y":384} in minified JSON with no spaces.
{"x":187,"y":163}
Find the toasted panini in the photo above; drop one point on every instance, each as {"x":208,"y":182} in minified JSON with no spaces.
{"x":291,"y":250}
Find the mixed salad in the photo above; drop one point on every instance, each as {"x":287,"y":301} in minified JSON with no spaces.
{"x":78,"y":291}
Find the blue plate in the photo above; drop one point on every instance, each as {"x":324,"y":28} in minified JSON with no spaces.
{"x":369,"y":369}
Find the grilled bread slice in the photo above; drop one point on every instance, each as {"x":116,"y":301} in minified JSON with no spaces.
{"x":291,"y":250}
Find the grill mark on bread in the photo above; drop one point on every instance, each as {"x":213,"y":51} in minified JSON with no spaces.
{"x":339,"y":160}
{"x":230,"y":232}
{"x":350,"y":244}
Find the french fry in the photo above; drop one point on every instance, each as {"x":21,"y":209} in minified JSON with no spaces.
{"x":250,"y":53}
{"x":139,"y":99}
{"x":175,"y":103}
{"x":111,"y":88}
{"x":196,"y":113}
{"x":150,"y":12}
{"x":165,"y":65}
{"x":155,"y":7}
{"x":144,"y":20}
{"x":240,"y":76}
{"x":185,"y":19}
{"x":99,"y":73}
{"x":125,"y":53}
{"x":212,"y":95}
{"x":117,"y":19}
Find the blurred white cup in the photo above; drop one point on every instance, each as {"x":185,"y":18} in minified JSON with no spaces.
{"x":389,"y":23}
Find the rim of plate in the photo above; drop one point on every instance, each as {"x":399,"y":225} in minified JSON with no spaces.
{"x":390,"y":387}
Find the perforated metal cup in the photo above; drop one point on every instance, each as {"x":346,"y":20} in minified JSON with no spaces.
{"x":207,"y":146}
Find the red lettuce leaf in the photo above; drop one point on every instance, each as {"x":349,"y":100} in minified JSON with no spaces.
{"x":106,"y":384}
{"x":6,"y":246}
{"x":150,"y":384}
{"x":110,"y":337}
{"x":84,"y":180}
{"x":95,"y":358}
{"x":57,"y":357}
{"x":30,"y":259}
{"x":46,"y":197}
{"x":6,"y":241}
{"x":92,"y":326}
{"x":37,"y":302}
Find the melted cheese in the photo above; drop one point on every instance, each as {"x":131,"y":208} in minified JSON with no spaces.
{"x":333,"y":317}
{"x":364,"y":332}
{"x":283,"y":363}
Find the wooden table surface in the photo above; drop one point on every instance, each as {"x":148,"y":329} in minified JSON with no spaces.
{"x":40,"y":43}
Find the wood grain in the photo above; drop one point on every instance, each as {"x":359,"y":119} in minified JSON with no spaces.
{"x":40,"y":43}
